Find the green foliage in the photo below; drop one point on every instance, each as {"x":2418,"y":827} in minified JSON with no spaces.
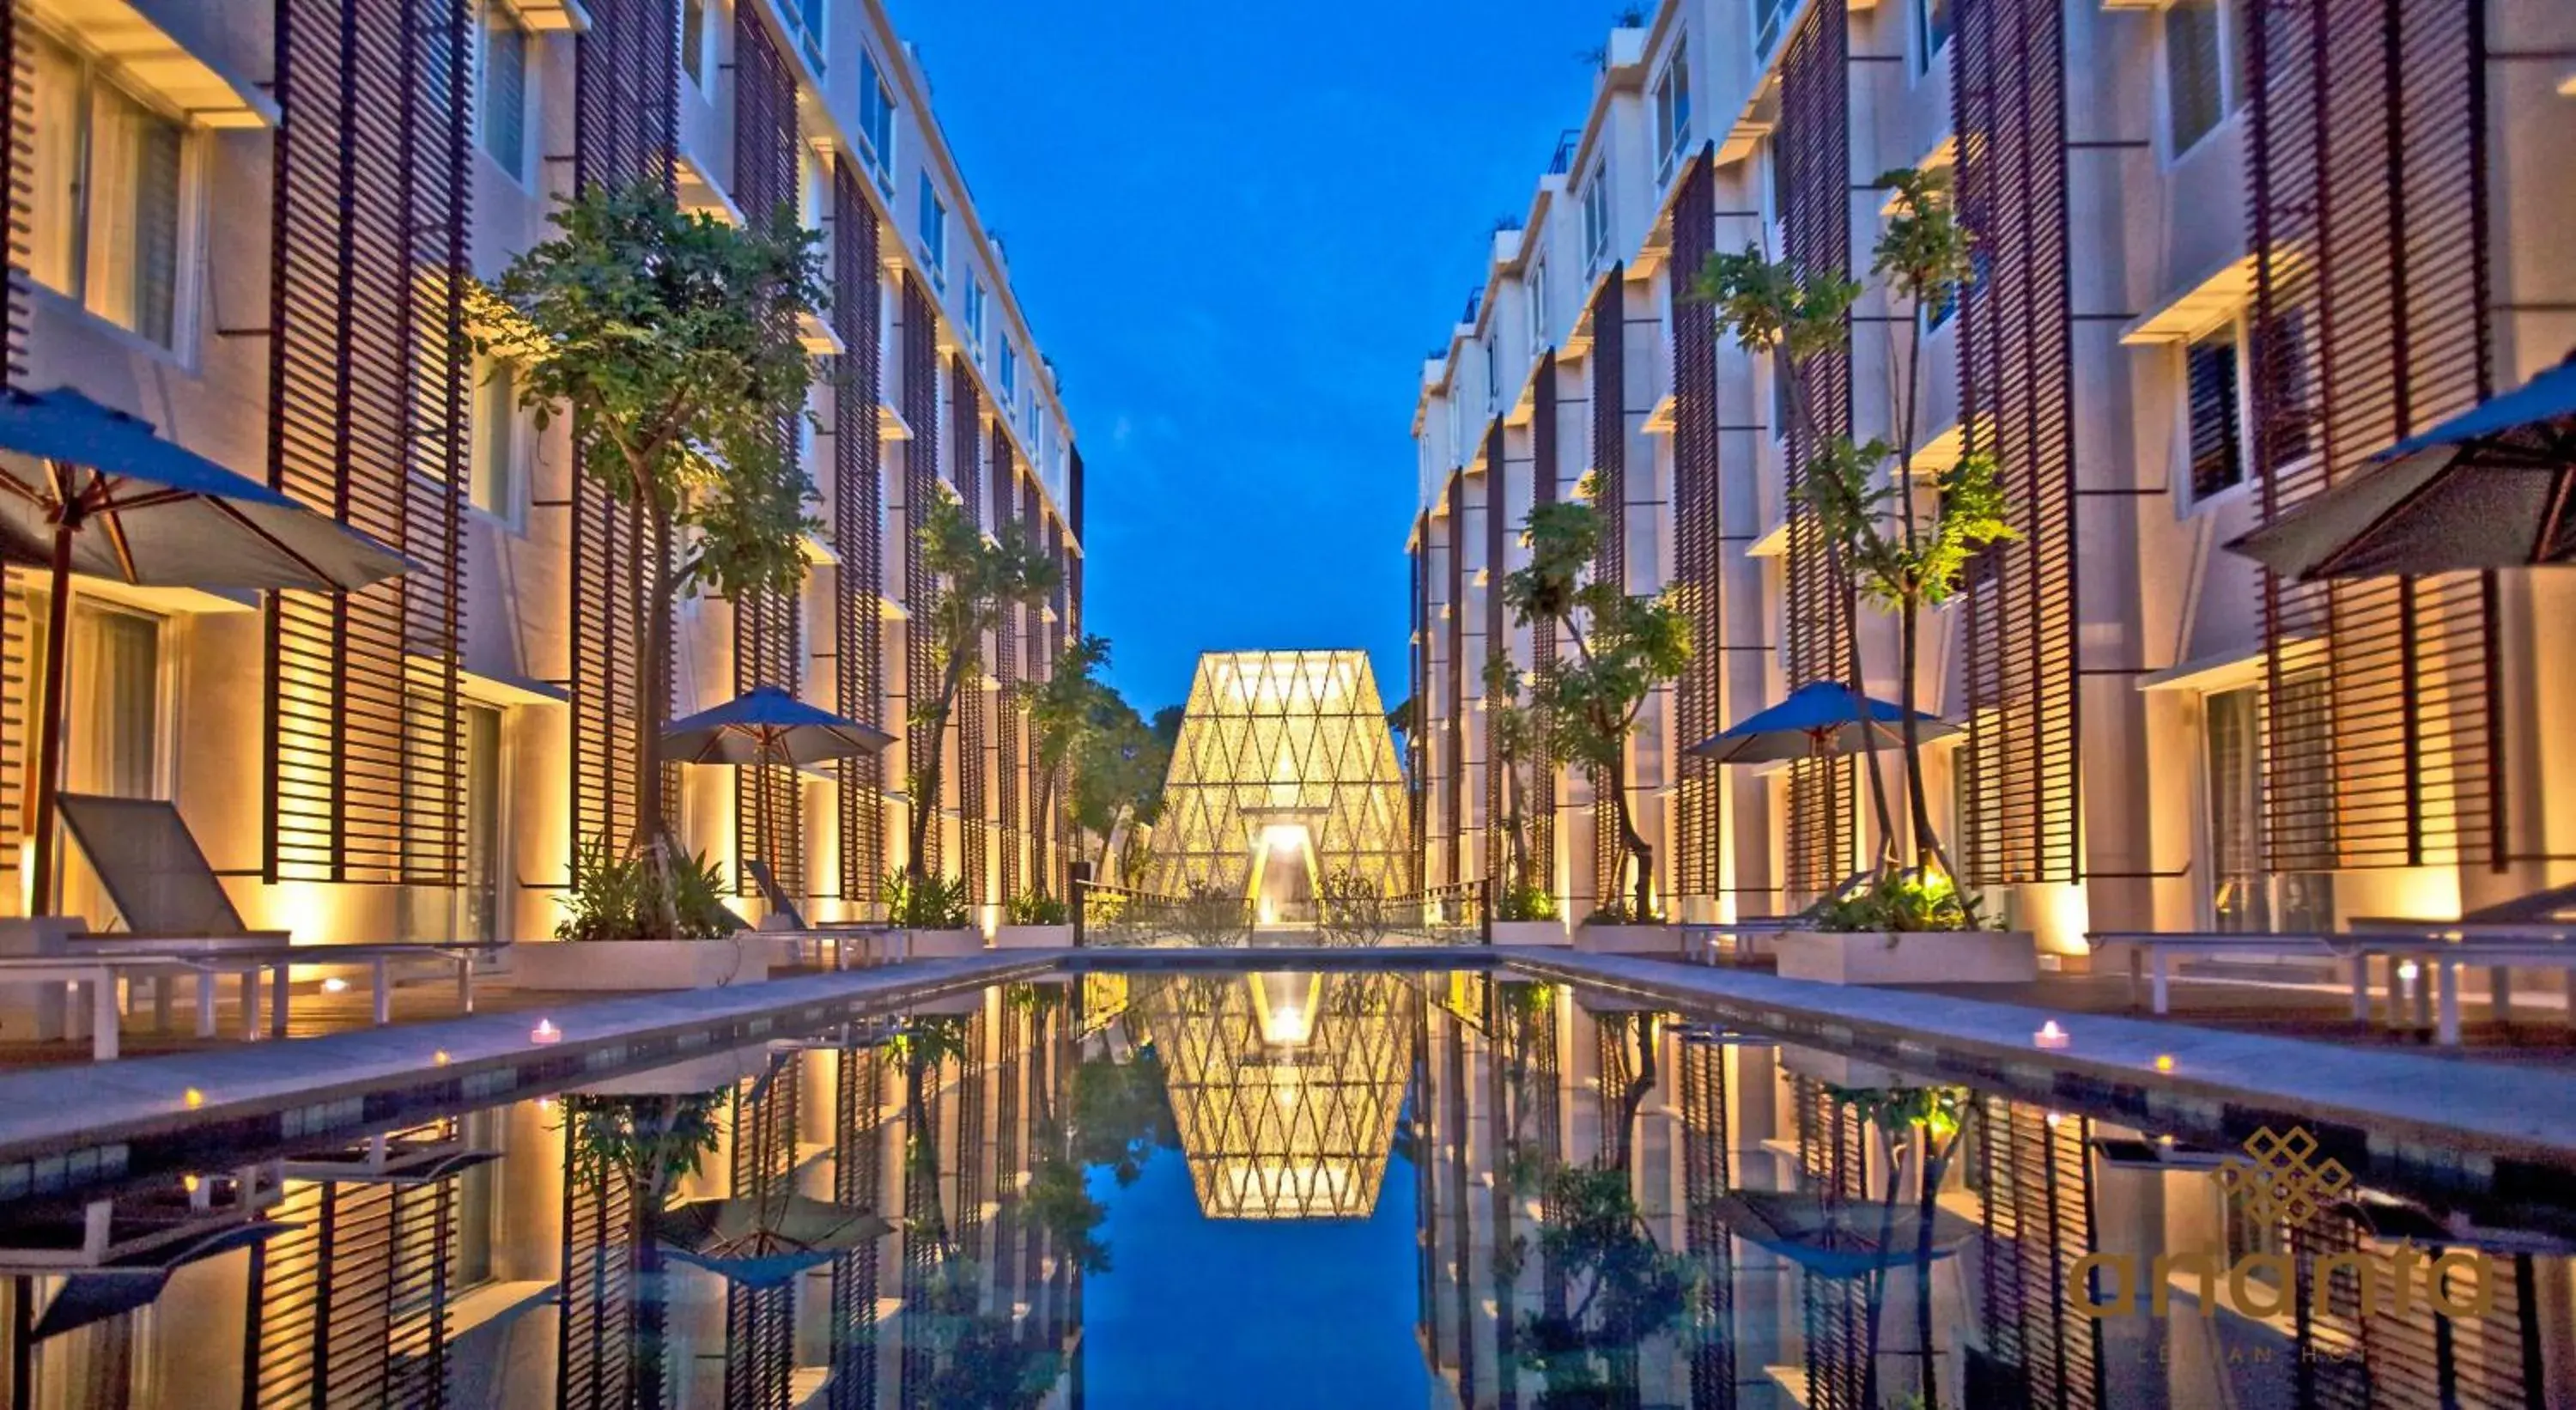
{"x":646,"y":1144}
{"x":1898,"y":902}
{"x":1039,"y":908}
{"x":1063,"y":1206}
{"x":979,"y":1360}
{"x":1211,"y":915}
{"x":1352,"y":910}
{"x":1938,"y":1112}
{"x":1621,"y":1288}
{"x":1120,"y":1114}
{"x":1624,"y":648}
{"x":1118,"y":776}
{"x":627,"y":897}
{"x":925,"y":902}
{"x":1924,"y":254}
{"x":1524,"y":900}
{"x":980,"y":580}
{"x":1620,"y":911}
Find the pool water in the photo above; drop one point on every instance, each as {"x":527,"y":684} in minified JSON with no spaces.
{"x":1264,"y":1189}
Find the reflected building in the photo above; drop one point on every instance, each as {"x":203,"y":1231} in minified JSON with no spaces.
{"x":1285,"y":1087}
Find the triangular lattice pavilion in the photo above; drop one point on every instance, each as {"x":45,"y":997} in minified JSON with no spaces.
{"x":1284,"y":758}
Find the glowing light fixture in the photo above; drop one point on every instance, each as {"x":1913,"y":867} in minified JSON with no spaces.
{"x":335,"y":985}
{"x":439,"y":1058}
{"x":1286,"y":1004}
{"x":193,"y":1098}
{"x":2051,"y":1037}
{"x":2164,"y":1062}
{"x":545,"y":1032}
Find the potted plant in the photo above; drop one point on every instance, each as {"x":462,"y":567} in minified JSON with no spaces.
{"x":639,"y":923}
{"x":1035,"y":921}
{"x":933,"y":914}
{"x":668,"y":340}
{"x":1900,"y":536}
{"x":1625,"y":648}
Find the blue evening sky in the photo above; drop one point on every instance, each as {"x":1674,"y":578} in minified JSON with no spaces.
{"x":1237,"y":228}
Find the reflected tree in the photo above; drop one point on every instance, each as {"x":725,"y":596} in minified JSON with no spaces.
{"x":1621,"y":1289}
{"x":644,"y":1145}
{"x":1925,"y":1123}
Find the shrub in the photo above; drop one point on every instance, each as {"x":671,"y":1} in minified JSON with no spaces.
{"x":1899,"y":902}
{"x":1038,"y":908}
{"x":621,"y":898}
{"x":929,"y":903}
{"x":1524,"y":900}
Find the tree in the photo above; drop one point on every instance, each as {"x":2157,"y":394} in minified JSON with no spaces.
{"x":1119,"y":775}
{"x":1900,"y":537}
{"x":1063,"y":711}
{"x":669,"y":339}
{"x":1514,"y":735}
{"x":980,"y":580}
{"x":1624,"y":647}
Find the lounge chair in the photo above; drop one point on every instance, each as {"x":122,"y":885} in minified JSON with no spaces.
{"x":789,"y":923}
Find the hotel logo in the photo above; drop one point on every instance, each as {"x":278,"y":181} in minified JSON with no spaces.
{"x":2282,"y":1182}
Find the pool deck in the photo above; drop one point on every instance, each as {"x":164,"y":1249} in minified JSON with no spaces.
{"x":2478,"y":1128}
{"x":72,"y":1124}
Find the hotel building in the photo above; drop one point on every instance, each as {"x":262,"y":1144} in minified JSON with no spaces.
{"x":253,"y":223}
{"x":2224,"y":255}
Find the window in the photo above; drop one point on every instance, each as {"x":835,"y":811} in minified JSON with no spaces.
{"x":1779,"y":394}
{"x":114,"y":695}
{"x":2202,"y":70}
{"x":494,"y":464}
{"x":1033,"y":430}
{"x":1767,"y":15}
{"x":2232,"y":744}
{"x":693,"y":40}
{"x":106,"y":173}
{"x":1932,"y":26}
{"x":1493,"y":372}
{"x":501,"y":99}
{"x":1672,"y":111}
{"x":1010,"y":373}
{"x":805,"y":22}
{"x":975,"y":320}
{"x":876,"y":120}
{"x":934,"y":231}
{"x":1596,"y":219}
{"x":2210,"y":383}
{"x":471,"y":910}
{"x":1537,"y":306}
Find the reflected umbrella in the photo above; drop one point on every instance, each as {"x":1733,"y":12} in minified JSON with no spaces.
{"x":112,"y":1291}
{"x":1800,"y":1228}
{"x":761,"y":1243}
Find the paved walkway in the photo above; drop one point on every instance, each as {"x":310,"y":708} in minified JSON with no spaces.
{"x":2478,"y":1126}
{"x":99,"y":1119}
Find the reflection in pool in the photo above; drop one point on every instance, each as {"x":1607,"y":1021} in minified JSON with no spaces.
{"x":1281,"y":1189}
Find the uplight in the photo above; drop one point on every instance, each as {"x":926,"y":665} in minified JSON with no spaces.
{"x":193,"y":1098}
{"x":335,"y":985}
{"x":439,"y":1058}
{"x":2164,"y":1062}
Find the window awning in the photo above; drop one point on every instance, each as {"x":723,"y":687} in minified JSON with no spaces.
{"x":150,"y":58}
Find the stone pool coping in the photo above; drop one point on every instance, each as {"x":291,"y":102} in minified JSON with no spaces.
{"x":62,"y":1127}
{"x":2474,"y":1128}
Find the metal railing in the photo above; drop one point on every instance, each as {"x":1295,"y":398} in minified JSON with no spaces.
{"x":1108,"y":916}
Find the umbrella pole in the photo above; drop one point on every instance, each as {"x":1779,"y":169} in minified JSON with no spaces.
{"x":58,"y":612}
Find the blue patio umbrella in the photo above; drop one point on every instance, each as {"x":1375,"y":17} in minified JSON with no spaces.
{"x":89,"y":489}
{"x":762,"y":1243}
{"x":1818,"y":720}
{"x":766,"y":725}
{"x":2493,"y":487}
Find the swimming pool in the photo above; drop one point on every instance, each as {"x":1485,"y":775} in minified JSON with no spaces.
{"x":1270,"y":1187}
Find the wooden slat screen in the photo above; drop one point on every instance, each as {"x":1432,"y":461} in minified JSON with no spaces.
{"x":966,"y":467}
{"x":1007,"y":762}
{"x":760,"y":1322}
{"x":1608,"y":319}
{"x":1815,"y":219}
{"x":920,"y":333}
{"x":2019,"y":769}
{"x":1417,"y":743}
{"x":858,"y":527}
{"x":1697,"y":533}
{"x":595,"y":1310}
{"x":17,"y":103}
{"x":2366,"y":171}
{"x":2035,"y":1173}
{"x":1544,"y":451}
{"x":1495,"y":639}
{"x":1708,"y":1172}
{"x":1453,"y":687}
{"x":350,"y":1302}
{"x":625,"y":111}
{"x":768,"y":627}
{"x":858,"y":1181}
{"x":368,"y":382}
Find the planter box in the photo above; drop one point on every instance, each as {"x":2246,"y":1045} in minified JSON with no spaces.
{"x":1628,"y":939}
{"x":630,"y":966}
{"x":937,"y":944}
{"x":1927,"y":957}
{"x":1033,"y":937}
{"x":1531,"y":932}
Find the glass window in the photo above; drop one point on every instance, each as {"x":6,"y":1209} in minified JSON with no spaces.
{"x":105,"y":175}
{"x":2195,"y":71}
{"x":934,"y":230}
{"x":503,"y":98}
{"x":494,"y":458}
{"x":1780,"y":412}
{"x":1767,"y":15}
{"x":2229,"y":727}
{"x":805,"y":21}
{"x":2217,"y":444}
{"x":876,"y":120}
{"x":1596,"y":218}
{"x":693,"y":40}
{"x":1010,"y":373}
{"x":112,"y":712}
{"x":975,"y":318}
{"x":1932,"y":25}
{"x":1493,"y":372}
{"x":1537,"y":306}
{"x":1672,"y":109}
